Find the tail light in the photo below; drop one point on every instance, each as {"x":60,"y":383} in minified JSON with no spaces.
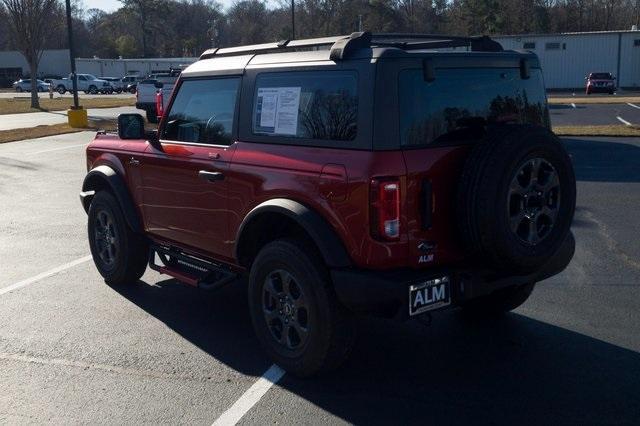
{"x":385,"y":209}
{"x":159,"y":104}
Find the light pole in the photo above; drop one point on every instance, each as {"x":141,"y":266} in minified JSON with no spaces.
{"x":76,"y":116}
{"x":72,"y":56}
{"x":293,"y":20}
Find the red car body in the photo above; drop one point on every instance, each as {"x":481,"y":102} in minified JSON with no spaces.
{"x":600,"y":82}
{"x":177,"y":207}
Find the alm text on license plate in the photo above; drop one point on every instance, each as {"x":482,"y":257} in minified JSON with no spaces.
{"x":429,"y":295}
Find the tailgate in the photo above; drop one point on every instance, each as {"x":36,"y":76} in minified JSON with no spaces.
{"x":432,"y":182}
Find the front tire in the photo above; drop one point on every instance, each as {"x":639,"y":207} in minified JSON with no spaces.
{"x":294,"y":310}
{"x":92,"y":90}
{"x":61,"y":89}
{"x":19,"y":89}
{"x":120,"y":255}
{"x":499,"y":302}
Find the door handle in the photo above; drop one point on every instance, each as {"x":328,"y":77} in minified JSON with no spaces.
{"x":134,"y":162}
{"x":210,"y":176}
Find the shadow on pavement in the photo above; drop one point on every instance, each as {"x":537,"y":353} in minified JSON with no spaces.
{"x":598,"y":161}
{"x":513,"y":370}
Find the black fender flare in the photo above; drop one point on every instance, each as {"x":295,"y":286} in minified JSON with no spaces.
{"x":105,"y":177}
{"x":321,"y":233}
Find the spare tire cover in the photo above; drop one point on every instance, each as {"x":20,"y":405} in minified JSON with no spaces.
{"x":516,"y":198}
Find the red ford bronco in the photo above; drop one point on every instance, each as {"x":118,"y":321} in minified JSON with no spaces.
{"x":383,"y":174}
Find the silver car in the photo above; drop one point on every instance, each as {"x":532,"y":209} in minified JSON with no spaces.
{"x":24,"y":85}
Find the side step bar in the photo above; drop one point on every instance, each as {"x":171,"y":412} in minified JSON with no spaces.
{"x":189,"y":269}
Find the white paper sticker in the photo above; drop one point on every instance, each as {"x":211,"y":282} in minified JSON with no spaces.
{"x":268,"y":107}
{"x":279,"y":109}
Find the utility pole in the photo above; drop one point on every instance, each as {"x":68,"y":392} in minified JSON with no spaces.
{"x":293,"y":20}
{"x":72,"y":56}
{"x":76,"y":115}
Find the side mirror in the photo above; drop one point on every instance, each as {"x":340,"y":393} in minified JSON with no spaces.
{"x":159,"y":85}
{"x":131,"y":126}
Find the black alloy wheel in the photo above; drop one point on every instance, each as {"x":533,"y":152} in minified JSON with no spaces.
{"x":534,"y":200}
{"x":285,"y":310}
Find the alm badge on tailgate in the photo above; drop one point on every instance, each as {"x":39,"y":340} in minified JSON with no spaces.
{"x":429,"y":295}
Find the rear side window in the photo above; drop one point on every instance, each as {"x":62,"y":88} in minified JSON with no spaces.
{"x":311,"y":105}
{"x":458,"y":104}
{"x":203,"y":111}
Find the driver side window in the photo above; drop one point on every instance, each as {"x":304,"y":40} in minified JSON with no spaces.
{"x":203,"y":111}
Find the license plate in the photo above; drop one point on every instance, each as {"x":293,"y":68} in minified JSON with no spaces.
{"x":429,"y":295}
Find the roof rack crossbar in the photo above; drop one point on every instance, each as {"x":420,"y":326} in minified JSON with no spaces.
{"x":343,"y":46}
{"x":280,"y":46}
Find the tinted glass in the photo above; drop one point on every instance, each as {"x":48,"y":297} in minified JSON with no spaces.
{"x":312,"y":105}
{"x":459,"y":102}
{"x":601,"y":76}
{"x":203,"y":111}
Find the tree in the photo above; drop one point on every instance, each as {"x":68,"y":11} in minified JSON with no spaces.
{"x":28,"y":21}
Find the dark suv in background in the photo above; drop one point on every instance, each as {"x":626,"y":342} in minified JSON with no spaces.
{"x":364,"y":174}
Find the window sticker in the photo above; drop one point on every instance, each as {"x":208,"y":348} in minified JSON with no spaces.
{"x":277,"y":110}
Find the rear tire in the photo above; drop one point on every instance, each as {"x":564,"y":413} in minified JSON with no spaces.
{"x":120,"y":255}
{"x":499,"y":302}
{"x":93,"y":90}
{"x":294,"y":310}
{"x":61,"y":89}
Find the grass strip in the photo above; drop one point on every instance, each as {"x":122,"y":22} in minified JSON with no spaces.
{"x":606,"y":130}
{"x":54,"y":129}
{"x":23,"y":105}
{"x":594,"y":100}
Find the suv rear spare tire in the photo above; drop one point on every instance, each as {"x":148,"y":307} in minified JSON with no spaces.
{"x":516,"y":197}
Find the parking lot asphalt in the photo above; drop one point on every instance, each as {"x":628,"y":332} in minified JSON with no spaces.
{"x":74,"y":350}
{"x":32,"y":119}
{"x":594,"y":114}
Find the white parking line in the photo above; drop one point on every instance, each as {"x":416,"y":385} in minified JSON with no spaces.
{"x":43,"y":275}
{"x":632,"y":105}
{"x":250,"y":397}
{"x":573,"y":105}
{"x":56,"y":149}
{"x":623,"y":121}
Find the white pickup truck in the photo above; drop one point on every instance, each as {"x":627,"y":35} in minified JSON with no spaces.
{"x":86,"y":82}
{"x":147,"y":90}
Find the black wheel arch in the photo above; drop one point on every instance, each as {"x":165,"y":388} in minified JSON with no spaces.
{"x":269,"y":219}
{"x":105,"y":178}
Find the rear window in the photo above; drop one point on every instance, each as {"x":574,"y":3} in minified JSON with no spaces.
{"x":308,"y":104}
{"x":458,"y":104}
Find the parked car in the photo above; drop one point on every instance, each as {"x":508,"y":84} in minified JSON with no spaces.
{"x":24,"y":85}
{"x":378,"y":176}
{"x":130,"y":82}
{"x":86,"y":82}
{"x":600,"y":82}
{"x":148,"y":89}
{"x":116,"y":83}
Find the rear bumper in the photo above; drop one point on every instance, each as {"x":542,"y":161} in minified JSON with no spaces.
{"x":601,"y":89}
{"x":386,"y":293}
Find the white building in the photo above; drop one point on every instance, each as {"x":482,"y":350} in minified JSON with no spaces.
{"x":13,"y":65}
{"x":568,"y":57}
{"x":121,"y":67}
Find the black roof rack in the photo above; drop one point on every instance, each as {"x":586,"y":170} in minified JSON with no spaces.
{"x":343,"y":46}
